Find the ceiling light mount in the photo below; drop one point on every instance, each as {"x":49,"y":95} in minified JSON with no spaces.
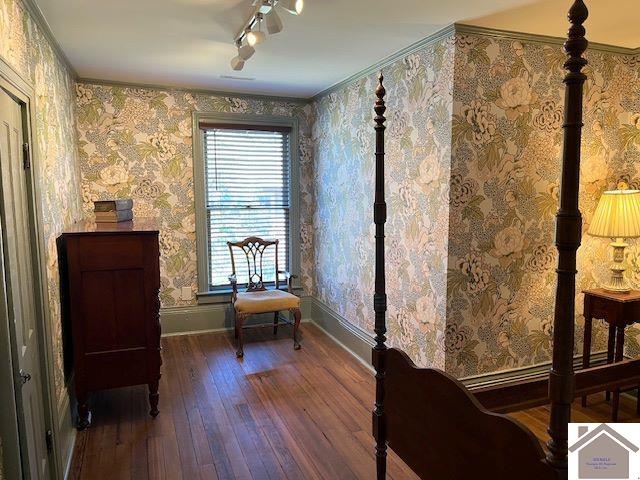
{"x":251,"y":33}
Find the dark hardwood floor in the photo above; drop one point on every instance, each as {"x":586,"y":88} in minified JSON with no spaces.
{"x":278,"y":413}
{"x":597,"y":411}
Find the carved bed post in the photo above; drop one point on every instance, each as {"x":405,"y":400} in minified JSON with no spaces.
{"x":568,"y":235}
{"x":380,"y":297}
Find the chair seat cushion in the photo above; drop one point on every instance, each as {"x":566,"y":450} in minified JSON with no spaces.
{"x":265,"y":301}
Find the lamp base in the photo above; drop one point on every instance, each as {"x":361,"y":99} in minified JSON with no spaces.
{"x":616,"y":289}
{"x":618,"y":284}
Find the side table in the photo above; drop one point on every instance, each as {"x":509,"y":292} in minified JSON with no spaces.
{"x":618,"y":310}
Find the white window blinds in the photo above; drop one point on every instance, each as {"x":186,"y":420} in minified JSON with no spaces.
{"x":247,"y":194}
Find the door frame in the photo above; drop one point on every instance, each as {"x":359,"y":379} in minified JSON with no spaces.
{"x":24,"y":93}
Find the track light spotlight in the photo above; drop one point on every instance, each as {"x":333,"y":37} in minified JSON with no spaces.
{"x":274,"y":24}
{"x":294,"y":7}
{"x":237,"y":63}
{"x":255,"y":38}
{"x":245,"y":51}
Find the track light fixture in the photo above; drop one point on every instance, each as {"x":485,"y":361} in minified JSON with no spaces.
{"x":273,"y":22}
{"x":245,"y":51}
{"x":252,"y":34}
{"x":294,"y":7}
{"x":253,"y":37}
{"x":237,"y":63}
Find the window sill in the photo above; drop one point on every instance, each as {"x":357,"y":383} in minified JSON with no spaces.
{"x":224,"y":295}
{"x":217,"y":296}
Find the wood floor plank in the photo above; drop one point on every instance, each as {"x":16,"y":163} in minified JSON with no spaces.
{"x":275,"y":414}
{"x":243,"y":400}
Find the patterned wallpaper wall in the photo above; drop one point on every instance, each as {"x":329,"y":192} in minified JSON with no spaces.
{"x":505,"y":168}
{"x":418,"y":160}
{"x":472,"y":184}
{"x":137,"y":142}
{"x":24,"y":46}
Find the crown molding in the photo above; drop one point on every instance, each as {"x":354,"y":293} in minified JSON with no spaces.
{"x":38,"y":17}
{"x":536,"y":38}
{"x":203,"y":91}
{"x":444,"y":32}
{"x":467,"y":29}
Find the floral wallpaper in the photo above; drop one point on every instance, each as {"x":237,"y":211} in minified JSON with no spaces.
{"x":24,"y":46}
{"x":474,"y":136}
{"x":505,"y":168}
{"x":418,"y":169}
{"x":473,"y":156}
{"x":137,"y":142}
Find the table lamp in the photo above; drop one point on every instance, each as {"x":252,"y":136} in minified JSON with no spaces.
{"x":617,"y":217}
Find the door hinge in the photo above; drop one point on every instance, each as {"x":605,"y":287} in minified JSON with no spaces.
{"x":49,"y":440}
{"x":26,"y":161}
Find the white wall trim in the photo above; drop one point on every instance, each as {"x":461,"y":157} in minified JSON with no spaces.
{"x":66,"y":422}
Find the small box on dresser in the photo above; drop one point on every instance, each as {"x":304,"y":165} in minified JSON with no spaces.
{"x":111,"y":282}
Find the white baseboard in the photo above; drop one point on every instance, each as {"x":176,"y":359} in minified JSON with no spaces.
{"x":352,"y":338}
{"x":66,"y":435}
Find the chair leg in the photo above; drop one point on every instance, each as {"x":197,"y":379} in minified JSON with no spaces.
{"x":296,"y":315}
{"x":240,"y":318}
{"x":235,"y":324}
{"x":275,"y":323}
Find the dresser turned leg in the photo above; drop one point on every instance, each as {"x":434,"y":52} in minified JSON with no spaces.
{"x":154,"y":396}
{"x":84,"y":414}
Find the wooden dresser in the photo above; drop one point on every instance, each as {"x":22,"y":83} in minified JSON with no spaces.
{"x":110,"y":275}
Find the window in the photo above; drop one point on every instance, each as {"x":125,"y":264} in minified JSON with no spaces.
{"x":246,"y":173}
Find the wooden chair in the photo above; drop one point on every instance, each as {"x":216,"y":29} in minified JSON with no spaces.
{"x":257,"y":298}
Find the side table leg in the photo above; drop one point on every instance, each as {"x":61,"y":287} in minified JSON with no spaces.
{"x":610,"y":349}
{"x":586,"y":350}
{"x":618,"y":356}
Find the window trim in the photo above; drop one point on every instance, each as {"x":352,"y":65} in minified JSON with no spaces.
{"x":205,"y":295}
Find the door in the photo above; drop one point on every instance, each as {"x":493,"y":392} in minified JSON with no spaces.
{"x":19,"y":285}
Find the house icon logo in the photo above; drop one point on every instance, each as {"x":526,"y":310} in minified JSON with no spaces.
{"x":602,"y":453}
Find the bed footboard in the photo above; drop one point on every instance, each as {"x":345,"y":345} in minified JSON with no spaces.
{"x":442,"y":432}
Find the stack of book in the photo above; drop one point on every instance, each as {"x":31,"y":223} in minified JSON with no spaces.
{"x":113,"y":211}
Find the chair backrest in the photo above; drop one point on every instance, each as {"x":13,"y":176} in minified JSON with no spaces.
{"x":254,"y":252}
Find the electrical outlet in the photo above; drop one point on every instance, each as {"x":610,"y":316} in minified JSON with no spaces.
{"x":185,"y":294}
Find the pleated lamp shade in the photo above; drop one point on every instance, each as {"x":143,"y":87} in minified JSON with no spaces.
{"x":617,"y":215}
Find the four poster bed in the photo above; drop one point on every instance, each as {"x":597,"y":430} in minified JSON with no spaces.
{"x":443,"y":430}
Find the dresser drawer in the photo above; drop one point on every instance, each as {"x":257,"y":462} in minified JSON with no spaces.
{"x":108,"y":252}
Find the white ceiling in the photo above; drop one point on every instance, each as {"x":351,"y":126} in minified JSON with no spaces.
{"x":189,"y":43}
